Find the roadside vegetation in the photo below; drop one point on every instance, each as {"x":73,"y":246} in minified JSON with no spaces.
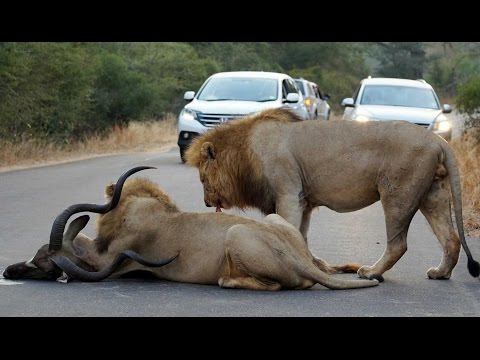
{"x":467,"y":151}
{"x":61,"y":101}
{"x":133,"y":137}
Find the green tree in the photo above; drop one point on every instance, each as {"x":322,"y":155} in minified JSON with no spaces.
{"x":468,"y":101}
{"x":239,"y":56}
{"x":168,"y":69}
{"x":451,"y":64}
{"x":336,"y":67}
{"x":120,"y":94}
{"x":44,"y":89}
{"x":400,"y":59}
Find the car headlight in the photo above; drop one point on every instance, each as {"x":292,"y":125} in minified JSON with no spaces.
{"x":361,"y":118}
{"x":189,"y":115}
{"x":442,"y":126}
{"x":442,"y":123}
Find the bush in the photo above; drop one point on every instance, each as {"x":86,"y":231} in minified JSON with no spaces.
{"x":468,"y":102}
{"x":44,"y":90}
{"x":120,"y":94}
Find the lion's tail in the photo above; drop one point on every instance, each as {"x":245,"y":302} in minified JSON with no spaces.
{"x":454,"y":174}
{"x":336,"y":269}
{"x":312,"y":272}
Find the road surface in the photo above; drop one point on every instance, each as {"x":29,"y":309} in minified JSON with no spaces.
{"x":31,"y":199}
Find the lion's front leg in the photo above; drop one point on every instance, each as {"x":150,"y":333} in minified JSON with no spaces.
{"x":292,"y":210}
{"x":307,"y":213}
{"x":396,"y":247}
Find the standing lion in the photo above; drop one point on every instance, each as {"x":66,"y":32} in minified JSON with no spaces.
{"x":280,"y":164}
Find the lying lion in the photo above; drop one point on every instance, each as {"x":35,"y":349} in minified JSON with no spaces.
{"x":142,"y":222}
{"x":280,"y":164}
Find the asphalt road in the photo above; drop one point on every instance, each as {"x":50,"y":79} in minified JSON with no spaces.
{"x":30,"y":199}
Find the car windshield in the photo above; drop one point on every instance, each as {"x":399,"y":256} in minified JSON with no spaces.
{"x":399,"y":96}
{"x":240,"y":89}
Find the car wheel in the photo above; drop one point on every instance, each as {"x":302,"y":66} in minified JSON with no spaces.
{"x":328,"y":116}
{"x":182,"y":153}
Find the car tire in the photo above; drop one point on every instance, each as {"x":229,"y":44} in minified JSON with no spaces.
{"x":328,"y":116}
{"x":182,"y":153}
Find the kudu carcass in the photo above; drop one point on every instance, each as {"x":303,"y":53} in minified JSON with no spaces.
{"x":141,"y":222}
{"x":66,"y":250}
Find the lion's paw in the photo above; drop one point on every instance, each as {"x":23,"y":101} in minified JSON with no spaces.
{"x":366,"y":272}
{"x":221,"y":282}
{"x":436,"y":274}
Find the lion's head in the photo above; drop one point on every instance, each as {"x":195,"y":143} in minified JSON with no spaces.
{"x":230,"y":172}
{"x":217,"y":186}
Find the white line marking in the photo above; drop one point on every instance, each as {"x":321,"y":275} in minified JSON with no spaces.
{"x":4,"y":281}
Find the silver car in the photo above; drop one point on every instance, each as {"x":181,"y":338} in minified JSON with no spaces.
{"x":383,"y":99}
{"x":315,"y":102}
{"x":229,"y":95}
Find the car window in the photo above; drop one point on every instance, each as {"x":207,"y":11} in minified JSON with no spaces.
{"x":311,"y":92}
{"x":300,"y":86}
{"x":355,"y":94}
{"x":288,"y":86}
{"x":399,"y":96}
{"x":284,"y":89}
{"x":242,"y":89}
{"x":292,"y":88}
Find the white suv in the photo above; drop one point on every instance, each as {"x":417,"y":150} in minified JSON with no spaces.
{"x":415,"y":101}
{"x":229,"y":95}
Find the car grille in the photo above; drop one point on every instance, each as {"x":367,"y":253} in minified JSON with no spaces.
{"x":211,"y":120}
{"x":424,"y":125}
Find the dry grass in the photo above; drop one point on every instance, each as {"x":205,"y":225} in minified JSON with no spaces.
{"x":467,"y":151}
{"x":144,"y":136}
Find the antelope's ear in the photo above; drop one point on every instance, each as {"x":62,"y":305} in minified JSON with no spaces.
{"x":73,"y":229}
{"x":208,"y":151}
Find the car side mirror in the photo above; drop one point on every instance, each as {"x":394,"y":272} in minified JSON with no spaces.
{"x":189,"y":95}
{"x":447,"y":109}
{"x":348,"y":102}
{"x":326,"y":97}
{"x":292,"y":98}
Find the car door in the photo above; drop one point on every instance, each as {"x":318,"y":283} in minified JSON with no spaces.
{"x":310,"y":100}
{"x":288,"y":86}
{"x":348,"y":112}
{"x":322,"y":107}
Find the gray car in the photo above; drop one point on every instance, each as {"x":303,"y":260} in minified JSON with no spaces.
{"x":315,"y":102}
{"x":383,"y":99}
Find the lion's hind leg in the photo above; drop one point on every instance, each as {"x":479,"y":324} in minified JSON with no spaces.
{"x":436,"y":208}
{"x":239,"y":278}
{"x":319,"y":263}
{"x":257,"y":258}
{"x":247,"y":282}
